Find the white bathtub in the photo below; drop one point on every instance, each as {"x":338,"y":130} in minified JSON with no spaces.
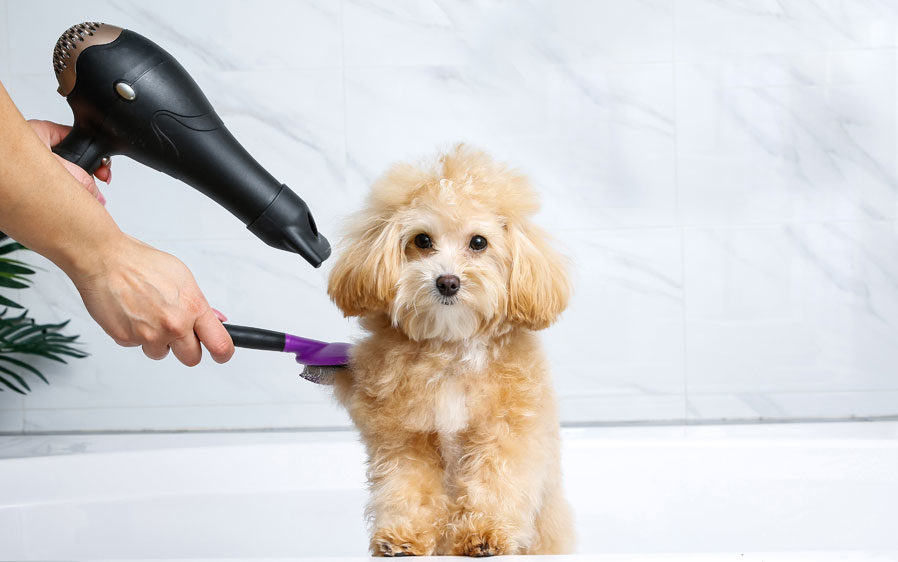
{"x":817,"y":492}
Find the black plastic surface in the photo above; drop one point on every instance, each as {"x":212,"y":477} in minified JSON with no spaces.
{"x":171,"y":126}
{"x":256,"y":338}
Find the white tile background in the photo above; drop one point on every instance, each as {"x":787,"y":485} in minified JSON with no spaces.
{"x":723,"y":173}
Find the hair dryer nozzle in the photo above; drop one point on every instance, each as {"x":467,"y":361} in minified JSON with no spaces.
{"x":288,"y":225}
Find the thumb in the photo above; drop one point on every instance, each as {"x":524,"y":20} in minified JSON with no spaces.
{"x":215,"y":338}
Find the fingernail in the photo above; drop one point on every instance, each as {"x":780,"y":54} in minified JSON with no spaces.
{"x":220,"y":315}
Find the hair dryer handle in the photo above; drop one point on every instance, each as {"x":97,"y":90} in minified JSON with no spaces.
{"x":82,"y":149}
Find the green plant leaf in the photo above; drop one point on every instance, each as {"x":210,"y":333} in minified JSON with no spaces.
{"x":20,"y":334}
{"x":7,"y":266}
{"x":10,"y":325}
{"x":11,"y":247}
{"x":25,"y":366}
{"x":10,"y":385}
{"x":21,"y":331}
{"x":6,"y":281}
{"x":6,"y":302}
{"x":26,"y":327}
{"x":16,"y":376}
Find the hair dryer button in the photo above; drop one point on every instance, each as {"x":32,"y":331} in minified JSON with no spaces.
{"x":125,"y":91}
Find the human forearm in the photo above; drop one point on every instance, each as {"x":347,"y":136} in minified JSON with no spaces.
{"x":43,"y":206}
{"x":139,"y":295}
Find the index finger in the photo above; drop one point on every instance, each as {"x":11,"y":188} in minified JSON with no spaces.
{"x":215,"y":338}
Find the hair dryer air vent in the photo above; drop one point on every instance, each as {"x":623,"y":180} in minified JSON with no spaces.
{"x":72,"y":42}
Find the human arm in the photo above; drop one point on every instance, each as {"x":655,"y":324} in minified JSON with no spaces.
{"x":138,"y":295}
{"x":50,"y":135}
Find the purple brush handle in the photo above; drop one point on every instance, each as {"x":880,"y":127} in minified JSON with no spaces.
{"x":302,"y":346}
{"x":308,"y":352}
{"x":314,"y":352}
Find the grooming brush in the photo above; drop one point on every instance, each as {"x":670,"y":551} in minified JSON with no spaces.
{"x":321,"y":359}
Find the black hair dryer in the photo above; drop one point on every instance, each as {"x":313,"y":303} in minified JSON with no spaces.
{"x":131,"y":97}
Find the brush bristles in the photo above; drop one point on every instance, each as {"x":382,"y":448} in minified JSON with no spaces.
{"x":320,"y":374}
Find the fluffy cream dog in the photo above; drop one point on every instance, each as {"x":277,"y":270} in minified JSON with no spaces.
{"x":450,"y":389}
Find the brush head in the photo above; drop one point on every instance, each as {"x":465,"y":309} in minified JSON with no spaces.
{"x":322,"y":360}
{"x":317,"y":353}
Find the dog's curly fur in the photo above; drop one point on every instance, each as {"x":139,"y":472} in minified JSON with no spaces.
{"x":452,"y":394}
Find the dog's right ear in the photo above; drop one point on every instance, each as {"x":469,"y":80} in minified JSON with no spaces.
{"x":366,"y":272}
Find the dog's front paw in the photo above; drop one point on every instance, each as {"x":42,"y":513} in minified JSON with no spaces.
{"x":387,"y":542}
{"x":483,"y":543}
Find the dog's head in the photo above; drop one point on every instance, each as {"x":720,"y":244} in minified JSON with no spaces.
{"x":449,"y":252}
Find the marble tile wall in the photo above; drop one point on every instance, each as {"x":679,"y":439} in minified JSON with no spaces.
{"x":723,"y":174}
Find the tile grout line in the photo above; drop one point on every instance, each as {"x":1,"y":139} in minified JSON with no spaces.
{"x":130,"y":407}
{"x":679,"y":218}
{"x":343,"y":89}
{"x":5,"y":38}
{"x":731,"y":225}
{"x":565,"y":425}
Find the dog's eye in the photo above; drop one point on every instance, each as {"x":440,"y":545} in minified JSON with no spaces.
{"x":423,"y":241}
{"x":478,"y":243}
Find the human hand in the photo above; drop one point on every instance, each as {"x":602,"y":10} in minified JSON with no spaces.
{"x":144,"y":297}
{"x":51,"y":134}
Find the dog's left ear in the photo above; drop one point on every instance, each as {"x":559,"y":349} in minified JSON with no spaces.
{"x":538,"y":286}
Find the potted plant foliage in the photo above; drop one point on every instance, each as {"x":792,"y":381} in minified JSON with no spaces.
{"x":22,"y":339}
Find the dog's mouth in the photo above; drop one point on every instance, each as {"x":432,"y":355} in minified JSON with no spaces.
{"x":448,"y":301}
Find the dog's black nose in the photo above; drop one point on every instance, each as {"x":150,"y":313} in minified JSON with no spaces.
{"x":448,"y":285}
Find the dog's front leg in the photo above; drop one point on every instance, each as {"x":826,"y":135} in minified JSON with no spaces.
{"x":409,"y":507}
{"x":500,"y":482}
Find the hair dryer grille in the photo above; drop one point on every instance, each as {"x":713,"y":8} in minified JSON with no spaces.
{"x":74,"y":40}
{"x":67,"y":42}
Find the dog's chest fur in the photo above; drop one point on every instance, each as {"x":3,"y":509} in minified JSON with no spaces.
{"x":450,"y":406}
{"x":446,"y":403}
{"x":451,"y":414}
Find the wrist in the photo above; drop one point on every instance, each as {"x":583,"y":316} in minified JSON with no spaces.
{"x":89,"y":256}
